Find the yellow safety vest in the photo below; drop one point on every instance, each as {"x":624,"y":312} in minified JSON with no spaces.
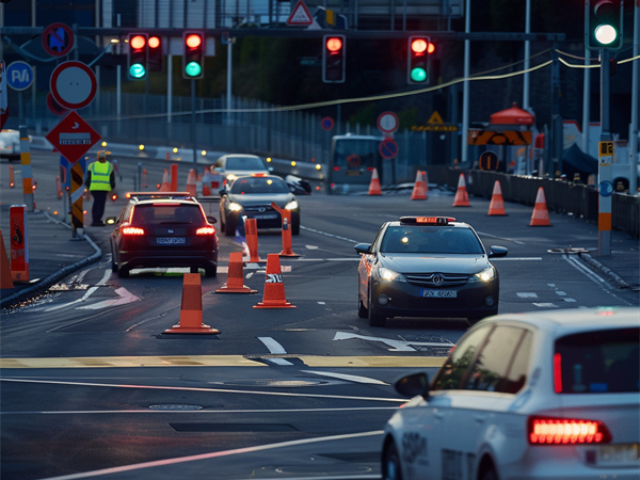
{"x":100,"y":176}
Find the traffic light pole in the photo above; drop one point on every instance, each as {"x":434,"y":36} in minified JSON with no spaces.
{"x":193,"y":122}
{"x":605,"y":155}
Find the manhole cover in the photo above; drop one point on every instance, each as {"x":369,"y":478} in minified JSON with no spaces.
{"x":175,"y":407}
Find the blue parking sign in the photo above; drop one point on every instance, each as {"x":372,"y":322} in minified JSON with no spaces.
{"x":19,"y":75}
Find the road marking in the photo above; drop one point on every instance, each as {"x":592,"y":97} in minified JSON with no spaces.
{"x":280,"y":362}
{"x":272,"y":345}
{"x":226,"y":453}
{"x":516,"y":259}
{"x":551,"y":284}
{"x":321,"y":303}
{"x":545,"y":305}
{"x":88,"y":293}
{"x":500,"y":238}
{"x":328,"y":234}
{"x":598,"y":280}
{"x":312,"y":247}
{"x":125,"y":297}
{"x":397,"y":345}
{"x":527,"y":294}
{"x":570,"y":300}
{"x":561,"y":293}
{"x":349,"y":378}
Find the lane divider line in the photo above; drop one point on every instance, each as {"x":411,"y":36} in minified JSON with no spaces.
{"x":595,"y":278}
{"x":272,"y":345}
{"x":326,"y":234}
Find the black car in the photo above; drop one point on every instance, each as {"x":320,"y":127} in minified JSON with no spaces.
{"x":427,"y":267}
{"x":156,"y":230}
{"x":251,"y":197}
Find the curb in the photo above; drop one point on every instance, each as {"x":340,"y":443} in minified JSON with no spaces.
{"x":55,"y":277}
{"x":613,"y":276}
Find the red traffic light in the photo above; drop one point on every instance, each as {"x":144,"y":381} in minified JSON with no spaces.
{"x":193,"y":41}
{"x":334,"y":44}
{"x":154,"y":42}
{"x":419,"y":45}
{"x":137,"y":42}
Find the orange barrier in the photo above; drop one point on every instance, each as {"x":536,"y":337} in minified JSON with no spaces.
{"x":540,"y":215}
{"x":166,"y":182}
{"x":462,"y":198}
{"x":251,"y":234}
{"x":144,"y":183}
{"x":235,"y":277}
{"x":58,"y":186}
{"x":273,"y":296}
{"x":174,"y":177}
{"x":191,"y":183}
{"x":496,"y":207}
{"x":191,"y":308}
{"x":19,"y":235}
{"x":5,"y":269}
{"x":420,"y":187}
{"x":287,"y":250}
{"x":12,"y":180}
{"x":374,"y":186}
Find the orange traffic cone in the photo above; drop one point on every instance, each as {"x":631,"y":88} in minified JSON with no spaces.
{"x":191,"y":308}
{"x":191,"y":183}
{"x":5,"y":269}
{"x":273,"y":287}
{"x":540,"y":215}
{"x":12,"y":181}
{"x":251,"y":234}
{"x":420,"y":187}
{"x":496,"y":207}
{"x":235,"y":277}
{"x":462,"y":198}
{"x":374,"y":186}
{"x":174,"y":178}
{"x":166,"y":181}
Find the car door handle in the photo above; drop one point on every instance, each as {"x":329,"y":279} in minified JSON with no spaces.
{"x":438,"y":415}
{"x":480,"y":418}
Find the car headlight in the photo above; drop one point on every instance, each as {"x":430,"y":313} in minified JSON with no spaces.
{"x":292,"y":205}
{"x":231,"y":177}
{"x":486,"y":275}
{"x":235,"y":207}
{"x":389,"y":275}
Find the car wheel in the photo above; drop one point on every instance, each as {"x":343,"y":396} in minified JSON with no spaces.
{"x":211,"y":272}
{"x":123,"y":272}
{"x":362,"y":310}
{"x":391,"y":469}
{"x":375,"y":319}
{"x":295,"y":229}
{"x":230,"y":228}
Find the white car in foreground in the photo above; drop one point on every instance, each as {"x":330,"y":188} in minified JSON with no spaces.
{"x":553,"y":395}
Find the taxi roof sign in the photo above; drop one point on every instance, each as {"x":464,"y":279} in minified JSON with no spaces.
{"x":427,"y":220}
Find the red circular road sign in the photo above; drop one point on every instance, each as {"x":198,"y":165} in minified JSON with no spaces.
{"x":388,"y":148}
{"x":54,"y":107}
{"x":57,"y":39}
{"x":73,"y":85}
{"x":327,"y":123}
{"x":354,"y":161}
{"x":388,"y":122}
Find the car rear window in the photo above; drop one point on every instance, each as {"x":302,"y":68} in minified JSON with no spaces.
{"x":605,"y":361}
{"x":259,"y":185}
{"x":171,"y":213}
{"x":244,"y":163}
{"x":430,"y":239}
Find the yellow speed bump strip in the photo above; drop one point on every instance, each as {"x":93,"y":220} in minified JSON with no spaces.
{"x":220,"y":361}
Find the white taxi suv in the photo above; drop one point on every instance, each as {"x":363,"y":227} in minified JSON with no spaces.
{"x":553,"y":395}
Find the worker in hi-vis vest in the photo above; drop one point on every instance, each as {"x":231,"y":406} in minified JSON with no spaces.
{"x":101,"y":179}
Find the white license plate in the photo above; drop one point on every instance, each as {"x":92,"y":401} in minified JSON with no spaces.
{"x":171,"y":240}
{"x":611,"y":455}
{"x":266,"y":216}
{"x":438,"y":293}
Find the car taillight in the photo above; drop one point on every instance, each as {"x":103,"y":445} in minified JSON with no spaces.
{"x":557,"y":373}
{"x":132,"y":231}
{"x":206,"y":231}
{"x":565,"y":431}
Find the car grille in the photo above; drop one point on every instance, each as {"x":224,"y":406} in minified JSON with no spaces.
{"x":426,"y":279}
{"x":259,"y":209}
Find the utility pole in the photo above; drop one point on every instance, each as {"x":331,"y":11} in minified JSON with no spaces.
{"x":633,"y":129}
{"x":605,"y":157}
{"x":229,"y":76}
{"x":586,"y":87}
{"x":465,"y":90}
{"x":527,"y":54}
{"x":556,"y":133}
{"x":169,"y":87}
{"x":193,"y":122}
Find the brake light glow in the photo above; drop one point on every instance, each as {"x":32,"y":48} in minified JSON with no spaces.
{"x":258,"y":174}
{"x":208,"y":230}
{"x":114,"y":197}
{"x":557,"y":373}
{"x":132,"y":231}
{"x":337,"y":169}
{"x":564,"y":431}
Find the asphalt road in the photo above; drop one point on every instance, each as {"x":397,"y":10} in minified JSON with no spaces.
{"x":89,"y":382}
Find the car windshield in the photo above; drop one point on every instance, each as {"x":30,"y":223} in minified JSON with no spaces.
{"x":430,"y":239}
{"x":244,"y":163}
{"x":155,"y":214}
{"x":250,"y":185}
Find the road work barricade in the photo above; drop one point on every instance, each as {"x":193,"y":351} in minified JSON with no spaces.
{"x":462,"y":197}
{"x":235,"y":276}
{"x":5,"y":269}
{"x":273,"y":296}
{"x":286,"y":231}
{"x":496,"y":207}
{"x":191,"y":308}
{"x":19,"y":243}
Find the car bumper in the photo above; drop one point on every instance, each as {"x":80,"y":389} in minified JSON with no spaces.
{"x":265,"y":222}
{"x":141,"y":259}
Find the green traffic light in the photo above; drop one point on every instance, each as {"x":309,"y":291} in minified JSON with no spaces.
{"x":605,"y":34}
{"x":193,"y":69}
{"x":137,"y":70}
{"x":418,"y":74}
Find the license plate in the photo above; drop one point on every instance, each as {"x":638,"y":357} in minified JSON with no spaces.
{"x":610,"y":455}
{"x":353,"y":173}
{"x":171,"y":241}
{"x":439,"y":293}
{"x":266,"y":216}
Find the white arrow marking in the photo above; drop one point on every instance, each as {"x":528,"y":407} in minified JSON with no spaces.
{"x":125,"y":297}
{"x":105,"y":278}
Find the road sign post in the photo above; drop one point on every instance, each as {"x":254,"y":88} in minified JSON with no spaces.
{"x":77,"y":189}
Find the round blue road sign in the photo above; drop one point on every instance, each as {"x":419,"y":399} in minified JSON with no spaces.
{"x":19,"y":75}
{"x":606,"y":188}
{"x":388,"y":148}
{"x":327,"y":123}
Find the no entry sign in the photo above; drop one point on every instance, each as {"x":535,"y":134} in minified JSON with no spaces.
{"x":73,"y":85}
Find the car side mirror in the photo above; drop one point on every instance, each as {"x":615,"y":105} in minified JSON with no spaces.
{"x":497,"y":251}
{"x":111,"y":220}
{"x":211,"y":219}
{"x":413,"y":385}
{"x":363,"y":248}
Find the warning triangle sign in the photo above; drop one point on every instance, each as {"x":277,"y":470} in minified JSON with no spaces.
{"x":300,"y":15}
{"x":435,"y":118}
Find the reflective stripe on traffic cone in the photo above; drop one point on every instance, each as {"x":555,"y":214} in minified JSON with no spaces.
{"x":273,"y":296}
{"x":191,"y":183}
{"x":5,"y":268}
{"x":374,"y":186}
{"x":251,"y":233}
{"x":462,"y":198}
{"x":166,"y":181}
{"x":420,"y":187}
{"x":191,"y":308}
{"x":496,"y":207}
{"x":540,"y":215}
{"x":235,"y":277}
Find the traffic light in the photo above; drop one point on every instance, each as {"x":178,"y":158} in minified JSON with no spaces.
{"x":419,"y":50}
{"x":193,"y":56}
{"x":605,"y":24}
{"x":334,"y":58}
{"x":138,"y":56}
{"x":155,"y":53}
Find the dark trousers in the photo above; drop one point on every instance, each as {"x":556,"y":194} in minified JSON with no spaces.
{"x":99,"y":199}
